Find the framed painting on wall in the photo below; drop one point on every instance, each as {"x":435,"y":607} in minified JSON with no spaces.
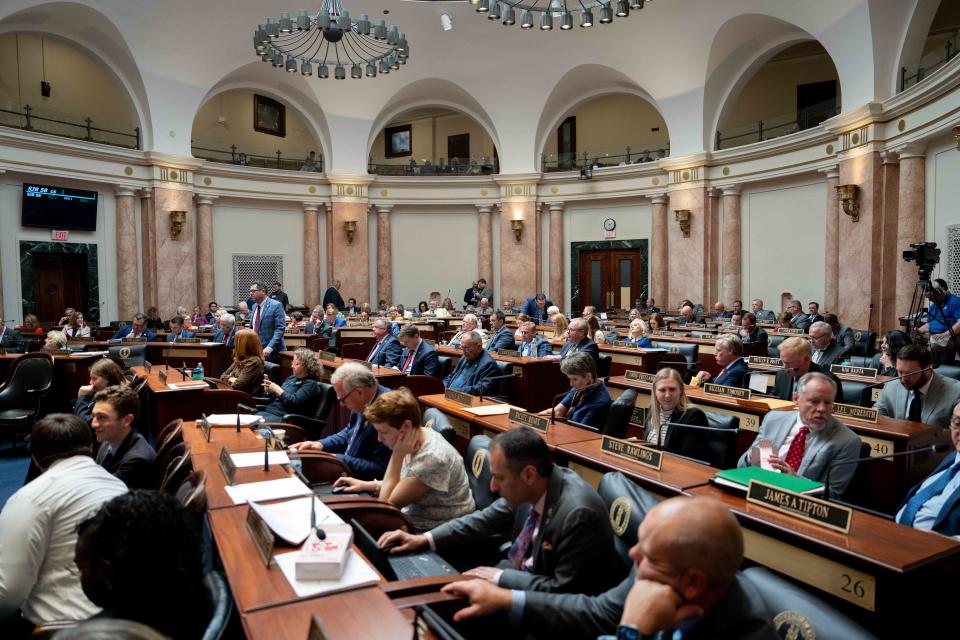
{"x":398,"y":141}
{"x":269,"y":116}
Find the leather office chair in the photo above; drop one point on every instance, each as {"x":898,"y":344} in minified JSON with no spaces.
{"x":603,"y":370}
{"x":170,"y":435}
{"x":861,"y":361}
{"x":856,"y":393}
{"x":272,"y":370}
{"x":222,"y":602}
{"x":375,"y":515}
{"x":166,"y":456}
{"x":722,"y":445}
{"x":192,"y":494}
{"x":949,"y":371}
{"x":446,"y":364}
{"x":180,"y":467}
{"x":628,"y":504}
{"x":316,"y":425}
{"x":501,"y":388}
{"x":129,"y":355}
{"x":421,"y":385}
{"x":776,"y":597}
{"x":863,"y":342}
{"x":28,"y":381}
{"x":773,"y":341}
{"x":319,"y":467}
{"x":688,"y":352}
{"x":440,"y":423}
{"x":618,"y":417}
{"x":477,"y":462}
{"x":292,"y":433}
{"x":857,"y":492}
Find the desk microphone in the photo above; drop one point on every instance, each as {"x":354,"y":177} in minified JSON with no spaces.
{"x":244,"y":408}
{"x":906,"y":375}
{"x":321,"y":534}
{"x":553,"y":405}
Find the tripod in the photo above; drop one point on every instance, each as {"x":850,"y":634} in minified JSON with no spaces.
{"x":925,"y":291}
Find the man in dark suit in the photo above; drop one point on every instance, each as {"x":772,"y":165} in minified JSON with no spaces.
{"x":814,"y":315}
{"x":269,"y":320}
{"x":352,"y":308}
{"x":728,"y":351}
{"x":919,"y":396}
{"x":417,"y":358}
{"x":841,"y":332}
{"x":474,"y":370}
{"x":177,"y":330}
{"x":577,"y":341}
{"x":332,"y":296}
{"x":10,"y":339}
{"x":357,"y":445}
{"x":211,"y":315}
{"x":387,"y":350}
{"x":532,"y":345}
{"x":502,"y":337}
{"x":123,"y":452}
{"x":799,"y":319}
{"x":137,"y":329}
{"x":280,"y":295}
{"x":536,"y":307}
{"x":227,"y":330}
{"x":795,"y":355}
{"x":720,"y":311}
{"x":562,"y":538}
{"x":826,"y":350}
{"x":750,"y":333}
{"x":652,"y":306}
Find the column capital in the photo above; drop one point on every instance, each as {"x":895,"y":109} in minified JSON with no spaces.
{"x":910,"y":150}
{"x":384,"y":209}
{"x":714,"y":192}
{"x":659,"y":198}
{"x":145,"y":192}
{"x":889,"y":157}
{"x":555,"y":206}
{"x":831,"y":172}
{"x":202,"y":198}
{"x":124,"y":191}
{"x":484,"y":208}
{"x":313,"y":206}
{"x":731,"y":190}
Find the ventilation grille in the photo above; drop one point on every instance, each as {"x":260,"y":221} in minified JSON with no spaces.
{"x":953,"y":257}
{"x":248,"y":269}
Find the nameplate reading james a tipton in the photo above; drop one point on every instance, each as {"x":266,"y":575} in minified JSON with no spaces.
{"x":819,"y":512}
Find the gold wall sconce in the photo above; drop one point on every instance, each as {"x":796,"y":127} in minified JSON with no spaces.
{"x":847,"y":195}
{"x":517,"y":226}
{"x":956,"y":135}
{"x":682,"y":217}
{"x":350,"y":227}
{"x":177,"y":220}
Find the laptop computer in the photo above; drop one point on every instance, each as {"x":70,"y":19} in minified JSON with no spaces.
{"x":400,"y":567}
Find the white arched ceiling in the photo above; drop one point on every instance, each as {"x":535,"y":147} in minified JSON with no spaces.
{"x":913,"y":35}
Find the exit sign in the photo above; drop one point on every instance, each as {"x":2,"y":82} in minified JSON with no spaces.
{"x":609,"y":235}
{"x":60,"y":236}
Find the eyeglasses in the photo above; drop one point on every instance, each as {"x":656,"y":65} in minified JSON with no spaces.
{"x":347,"y":395}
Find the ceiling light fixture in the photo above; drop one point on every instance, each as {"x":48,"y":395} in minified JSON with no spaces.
{"x":562,"y":9}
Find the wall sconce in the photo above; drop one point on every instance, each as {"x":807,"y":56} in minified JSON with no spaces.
{"x":517,"y":226}
{"x":956,"y":135}
{"x":177,"y":220}
{"x":683,"y":217}
{"x":847,"y":194}
{"x":350,"y":226}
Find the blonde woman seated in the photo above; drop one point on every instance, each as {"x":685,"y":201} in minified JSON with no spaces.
{"x":55,"y":341}
{"x":470,"y":323}
{"x":637,"y":330}
{"x":245,"y":373}
{"x":588,"y":401}
{"x":425,"y":477}
{"x":103,"y":373}
{"x":671,"y":405}
{"x":560,"y":325}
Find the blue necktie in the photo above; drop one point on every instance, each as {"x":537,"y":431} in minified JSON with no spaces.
{"x":357,"y":425}
{"x":920,"y":498}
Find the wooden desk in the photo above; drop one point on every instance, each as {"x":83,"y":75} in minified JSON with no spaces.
{"x":623,"y":359}
{"x":217,"y":497}
{"x":220,"y":438}
{"x":70,"y":372}
{"x":329,"y":366}
{"x":311,"y":341}
{"x":214,"y":357}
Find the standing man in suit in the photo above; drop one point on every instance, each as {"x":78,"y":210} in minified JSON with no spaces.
{"x":280,"y":295}
{"x":799,"y":319}
{"x":728,"y":351}
{"x":826,"y":350}
{"x":227,"y":330}
{"x":808,"y":441}
{"x":814,"y":312}
{"x":417,"y":358}
{"x":10,"y":339}
{"x":386,"y":352}
{"x":478,"y":292}
{"x":562,"y":538}
{"x":268,"y":320}
{"x":177,"y":330}
{"x":763,"y":315}
{"x":795,"y":355}
{"x":332,"y":296}
{"x":136,"y":329}
{"x":750,"y":333}
{"x":532,"y":345}
{"x":123,"y":452}
{"x":578,"y":341}
{"x":536,"y":307}
{"x":920,"y":396}
{"x":934,"y":504}
{"x":474,"y":370}
{"x":502,"y":337}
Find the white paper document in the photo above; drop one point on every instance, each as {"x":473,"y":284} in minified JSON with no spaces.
{"x":230,"y":419}
{"x":290,"y":520}
{"x":758,"y":382}
{"x":255,"y":458}
{"x":267,"y":490}
{"x":356,"y":574}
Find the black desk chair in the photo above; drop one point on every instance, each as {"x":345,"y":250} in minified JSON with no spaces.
{"x":773,"y":341}
{"x":603,"y":370}
{"x":316,"y":424}
{"x":618,"y":417}
{"x":722,"y":445}
{"x":863,"y":342}
{"x":628,"y":505}
{"x":222,"y":602}
{"x":28,"y":381}
{"x":129,"y":355}
{"x":272,"y":370}
{"x":446,"y":364}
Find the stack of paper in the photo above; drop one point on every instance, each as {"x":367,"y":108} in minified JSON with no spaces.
{"x":290,"y":520}
{"x":267,"y":490}
{"x":230,"y":419}
{"x":356,"y":573}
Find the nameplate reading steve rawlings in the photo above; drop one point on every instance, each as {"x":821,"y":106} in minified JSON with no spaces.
{"x":764,"y":361}
{"x":632,"y":451}
{"x":724,"y":390}
{"x":856,"y":412}
{"x":847,"y":370}
{"x":535,"y":422}
{"x":639,"y":376}
{"x":227,"y":466}
{"x":461,"y":398}
{"x":819,"y":512}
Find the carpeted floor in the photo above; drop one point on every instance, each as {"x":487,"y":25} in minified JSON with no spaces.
{"x":13,"y":469}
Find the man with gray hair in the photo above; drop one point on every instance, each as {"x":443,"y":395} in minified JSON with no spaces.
{"x":808,"y":441}
{"x":386,"y":352}
{"x":826,"y":350}
{"x":226,"y":330}
{"x":578,"y":341}
{"x":474,"y":370}
{"x":728,"y":351}
{"x":357,"y":445}
{"x":762,"y":315}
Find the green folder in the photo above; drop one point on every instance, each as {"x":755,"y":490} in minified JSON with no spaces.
{"x":742,"y":477}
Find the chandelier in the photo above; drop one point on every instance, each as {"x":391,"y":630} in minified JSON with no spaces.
{"x":507,"y":10}
{"x":331,"y":38}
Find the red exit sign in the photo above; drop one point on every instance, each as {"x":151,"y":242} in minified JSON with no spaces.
{"x":59,"y":236}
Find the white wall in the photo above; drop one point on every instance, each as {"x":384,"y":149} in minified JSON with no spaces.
{"x":943,"y":194}
{"x":783,"y":240}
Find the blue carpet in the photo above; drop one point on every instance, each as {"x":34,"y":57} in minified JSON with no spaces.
{"x":13,"y":469}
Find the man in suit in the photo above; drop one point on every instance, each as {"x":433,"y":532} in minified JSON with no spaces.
{"x":687,"y":315}
{"x":10,"y":339}
{"x":934,"y":503}
{"x":136,"y":329}
{"x":536,"y":307}
{"x":502,"y":337}
{"x":673,"y":579}
{"x":332,"y":296}
{"x":799,"y":319}
{"x":562,"y":538}
{"x":352,"y":307}
{"x":386,"y":352}
{"x":211,"y":315}
{"x":577,"y":341}
{"x":227,"y":330}
{"x":720,"y":311}
{"x":532,"y":345}
{"x":795,"y":355}
{"x":478,"y":292}
{"x":357,"y":445}
{"x":826,"y":350}
{"x":280,"y":296}
{"x":920,"y":396}
{"x":808,"y":441}
{"x":123,"y":452}
{"x":762,"y":315}
{"x":269,"y":321}
{"x":750,"y":333}
{"x":417,"y":358}
{"x":728,"y":351}
{"x":652,"y":306}
{"x":177,"y":330}
{"x":814,"y":312}
{"x":474,"y":370}
{"x":841,"y":332}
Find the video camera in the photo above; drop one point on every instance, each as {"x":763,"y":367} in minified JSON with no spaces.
{"x":926,"y":255}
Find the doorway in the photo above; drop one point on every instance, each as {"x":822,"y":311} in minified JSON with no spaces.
{"x":59,"y":281}
{"x":610,"y":278}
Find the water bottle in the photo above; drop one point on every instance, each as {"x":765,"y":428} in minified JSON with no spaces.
{"x":198,"y":371}
{"x":295,"y":463}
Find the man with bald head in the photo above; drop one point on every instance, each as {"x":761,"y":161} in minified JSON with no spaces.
{"x":578,"y":341}
{"x":687,"y":315}
{"x":679,"y":583}
{"x":797,"y":357}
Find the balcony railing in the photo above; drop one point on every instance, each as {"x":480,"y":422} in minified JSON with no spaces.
{"x":477,"y":166}
{"x":608,"y":157}
{"x":930,"y":62}
{"x":234,"y":156}
{"x":29,"y":120}
{"x":779,"y":126}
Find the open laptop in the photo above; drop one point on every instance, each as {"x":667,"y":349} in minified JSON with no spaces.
{"x":400,"y":567}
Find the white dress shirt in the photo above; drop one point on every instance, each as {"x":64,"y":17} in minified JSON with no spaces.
{"x":38,"y":533}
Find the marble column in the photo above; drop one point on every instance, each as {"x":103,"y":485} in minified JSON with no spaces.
{"x":731,"y":242}
{"x":910,"y":219}
{"x":557,"y":288}
{"x":2,"y":171}
{"x":518,"y":272}
{"x":312,"y":294}
{"x":714,"y":241}
{"x":485,"y":244}
{"x":659,"y":251}
{"x":328,"y":228}
{"x":384,"y":254}
{"x":351,"y":259}
{"x":860,"y":246}
{"x":886,"y":311}
{"x":832,"y":242}
{"x":176,"y":257}
{"x":206,"y":288}
{"x":688,"y":263}
{"x":148,"y":259}
{"x":128,"y":287}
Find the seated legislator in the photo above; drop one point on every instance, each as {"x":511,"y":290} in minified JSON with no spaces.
{"x":470,"y":323}
{"x":688,"y":315}
{"x":588,"y":400}
{"x":474,"y":370}
{"x":562,"y":538}
{"x":31,"y":326}
{"x":922,"y":394}
{"x":76,"y":327}
{"x":245,"y":373}
{"x":268,"y":319}
{"x":55,"y":341}
{"x":578,"y":342}
{"x":680,"y":586}
{"x":502,"y":336}
{"x":720,"y":311}
{"x":137,"y":329}
{"x":813,"y":314}
{"x":798,"y":319}
{"x":536,"y":307}
{"x":299,"y":393}
{"x":425,"y":476}
{"x":762,"y":315}
{"x":808,"y":441}
{"x":227,"y":330}
{"x":652,"y":306}
{"x":387,"y":350}
{"x":795,"y":355}
{"x":749,"y":332}
{"x":103,"y":373}
{"x":417,"y":358}
{"x":636,"y":333}
{"x":212,"y":315}
{"x":352,"y":307}
{"x":38,"y":527}
{"x":728,"y":351}
{"x":145,"y":533}
{"x":314,"y":324}
{"x":826,"y":350}
{"x":885,"y":362}
{"x":435,"y":310}
{"x":11,"y":341}
{"x":670,"y":404}
{"x":177,"y":330}
{"x":934,"y":504}
{"x":123,"y":452}
{"x":357,"y":445}
{"x":531,"y":345}
{"x":841,"y":332}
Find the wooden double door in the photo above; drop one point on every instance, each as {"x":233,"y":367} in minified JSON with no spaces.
{"x":59,"y":281}
{"x":610,"y":278}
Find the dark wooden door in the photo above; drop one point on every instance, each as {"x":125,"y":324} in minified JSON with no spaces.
{"x":610,"y":278}
{"x":815,"y":103}
{"x":59,"y":281}
{"x":458,"y":147}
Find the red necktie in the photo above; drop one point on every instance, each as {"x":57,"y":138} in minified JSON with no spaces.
{"x":406,"y":363}
{"x":795,"y":452}
{"x":226,"y":336}
{"x":256,"y":320}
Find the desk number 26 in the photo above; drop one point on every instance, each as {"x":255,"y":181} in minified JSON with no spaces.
{"x":851,"y":585}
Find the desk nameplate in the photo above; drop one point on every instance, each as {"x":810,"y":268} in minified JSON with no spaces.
{"x":790,"y":332}
{"x":163,"y":376}
{"x":639,"y":376}
{"x":621,"y":344}
{"x":263,"y":538}
{"x":535,"y":422}
{"x":327,"y":356}
{"x":855,"y":411}
{"x":185,"y":353}
{"x":726,"y":391}
{"x":803,"y":507}
{"x":140,"y":340}
{"x":632,"y":451}
{"x":364,"y":363}
{"x":694,"y":325}
{"x":205,"y":428}
{"x":638,"y":417}
{"x":509,"y":353}
{"x":847,"y":370}
{"x":461,"y":398}
{"x":227,"y":466}
{"x":660,"y":332}
{"x":188,"y":341}
{"x":764,"y":361}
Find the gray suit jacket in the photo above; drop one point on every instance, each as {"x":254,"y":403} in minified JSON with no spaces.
{"x":938,"y":402}
{"x":834,"y":354}
{"x":834,"y":443}
{"x":573,"y":550}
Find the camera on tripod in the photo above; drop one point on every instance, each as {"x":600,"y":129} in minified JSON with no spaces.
{"x":926,"y":255}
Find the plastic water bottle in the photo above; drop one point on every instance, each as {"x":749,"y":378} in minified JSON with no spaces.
{"x":198,"y":371}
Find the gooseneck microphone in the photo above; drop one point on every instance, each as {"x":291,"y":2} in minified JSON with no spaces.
{"x":553,"y":405}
